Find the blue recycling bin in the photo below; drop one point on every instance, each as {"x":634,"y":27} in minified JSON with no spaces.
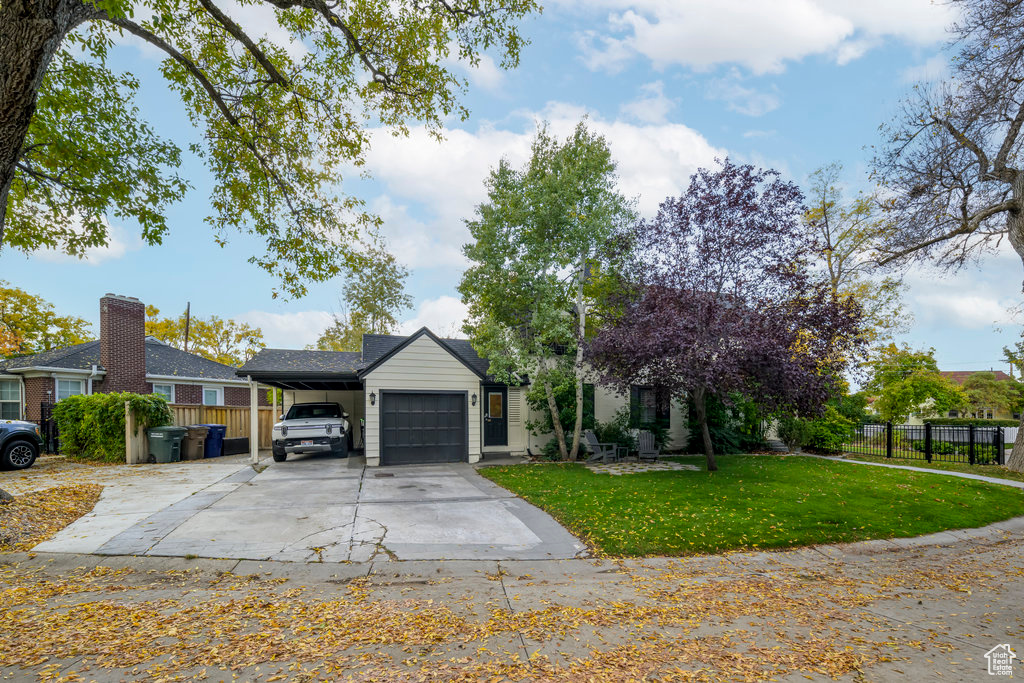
{"x":214,"y":446}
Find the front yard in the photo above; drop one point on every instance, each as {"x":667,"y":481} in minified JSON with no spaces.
{"x":753,"y":502}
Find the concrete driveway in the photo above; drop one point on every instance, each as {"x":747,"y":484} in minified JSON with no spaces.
{"x":321,"y":508}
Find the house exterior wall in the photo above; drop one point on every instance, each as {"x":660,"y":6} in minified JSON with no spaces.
{"x":35,"y":396}
{"x":420,"y":366}
{"x":351,"y":402}
{"x":517,"y":414}
{"x":606,"y":404}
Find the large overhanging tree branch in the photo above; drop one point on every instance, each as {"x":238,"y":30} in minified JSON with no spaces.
{"x":951,"y":164}
{"x":278,"y":118}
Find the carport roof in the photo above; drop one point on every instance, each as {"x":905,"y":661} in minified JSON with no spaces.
{"x":302,"y":360}
{"x":302,"y":369}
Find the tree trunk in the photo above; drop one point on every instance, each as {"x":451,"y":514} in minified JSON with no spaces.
{"x":1016,"y":459}
{"x":700,"y":405}
{"x":30,"y":34}
{"x":578,"y":365}
{"x":556,"y":420}
{"x":1015,"y":230}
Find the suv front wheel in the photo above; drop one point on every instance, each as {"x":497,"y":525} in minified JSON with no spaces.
{"x":19,"y":455}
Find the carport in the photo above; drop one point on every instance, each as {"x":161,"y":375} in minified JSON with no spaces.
{"x":308,"y":376}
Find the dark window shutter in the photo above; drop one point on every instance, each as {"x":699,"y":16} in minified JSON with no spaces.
{"x":664,"y":409}
{"x":634,"y":406}
{"x":588,"y":406}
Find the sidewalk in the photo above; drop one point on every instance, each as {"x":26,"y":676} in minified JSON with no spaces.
{"x":864,"y":611}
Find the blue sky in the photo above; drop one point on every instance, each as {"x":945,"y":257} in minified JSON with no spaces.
{"x":791,"y":84}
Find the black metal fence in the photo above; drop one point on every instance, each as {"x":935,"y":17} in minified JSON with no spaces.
{"x":48,"y":429}
{"x":939,"y":443}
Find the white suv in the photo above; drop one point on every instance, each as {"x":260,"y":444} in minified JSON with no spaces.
{"x":312,"y":428}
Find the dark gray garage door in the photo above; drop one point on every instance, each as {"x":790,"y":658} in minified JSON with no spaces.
{"x":419,"y":428}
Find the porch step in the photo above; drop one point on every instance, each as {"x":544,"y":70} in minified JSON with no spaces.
{"x":777,"y":446}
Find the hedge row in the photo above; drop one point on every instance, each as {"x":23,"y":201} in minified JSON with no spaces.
{"x":92,"y":427}
{"x":967,"y":421}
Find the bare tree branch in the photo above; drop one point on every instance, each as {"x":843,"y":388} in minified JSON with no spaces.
{"x":965,"y":228}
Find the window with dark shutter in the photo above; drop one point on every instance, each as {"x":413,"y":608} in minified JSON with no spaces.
{"x":648,"y":406}
{"x":588,"y":406}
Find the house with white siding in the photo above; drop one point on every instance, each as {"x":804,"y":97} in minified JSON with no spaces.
{"x":424,"y":399}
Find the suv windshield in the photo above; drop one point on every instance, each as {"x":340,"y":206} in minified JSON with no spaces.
{"x":306,"y":411}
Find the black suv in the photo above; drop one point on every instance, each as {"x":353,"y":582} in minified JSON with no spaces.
{"x":19,"y":444}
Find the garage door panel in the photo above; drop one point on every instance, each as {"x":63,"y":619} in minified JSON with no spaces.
{"x":423,"y":428}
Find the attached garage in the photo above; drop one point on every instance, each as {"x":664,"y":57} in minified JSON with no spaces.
{"x":423,"y":401}
{"x":423,"y":427}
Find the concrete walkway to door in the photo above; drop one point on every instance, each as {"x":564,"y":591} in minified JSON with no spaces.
{"x":325,"y":509}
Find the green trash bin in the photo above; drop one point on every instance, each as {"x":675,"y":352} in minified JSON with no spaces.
{"x":165,"y":443}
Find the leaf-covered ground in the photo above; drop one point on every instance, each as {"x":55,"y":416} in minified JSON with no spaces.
{"x":37,"y":516}
{"x":753,"y":502}
{"x":803,"y":614}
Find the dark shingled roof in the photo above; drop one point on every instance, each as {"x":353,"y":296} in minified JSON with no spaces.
{"x":377,"y":345}
{"x":300,"y":360}
{"x":161,"y":359}
{"x":78,"y":357}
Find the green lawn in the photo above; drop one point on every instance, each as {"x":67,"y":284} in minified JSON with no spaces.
{"x":753,"y":502}
{"x":984,"y":470}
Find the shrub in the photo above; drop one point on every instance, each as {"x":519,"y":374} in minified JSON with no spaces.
{"x":830,"y":431}
{"x":792,"y":431}
{"x":92,"y":427}
{"x":617,"y":431}
{"x":723,"y":426}
{"x":967,"y":421}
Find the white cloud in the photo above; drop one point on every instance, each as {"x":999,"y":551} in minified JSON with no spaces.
{"x":485,"y":74}
{"x":119,"y":243}
{"x":431,"y":187}
{"x":933,"y":69}
{"x":288,"y":330}
{"x":741,"y":98}
{"x":967,"y":311}
{"x":652,"y":106}
{"x":977,"y":297}
{"x":443,"y":316}
{"x":760,"y":36}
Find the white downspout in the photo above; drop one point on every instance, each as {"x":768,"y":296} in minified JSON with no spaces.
{"x":95,"y":371}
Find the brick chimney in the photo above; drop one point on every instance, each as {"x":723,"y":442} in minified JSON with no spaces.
{"x":123,"y":343}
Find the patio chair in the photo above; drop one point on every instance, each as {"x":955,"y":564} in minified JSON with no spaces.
{"x":648,"y":447}
{"x":602,"y":452}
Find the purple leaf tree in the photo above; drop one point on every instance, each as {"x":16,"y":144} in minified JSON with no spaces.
{"x":725,"y":300}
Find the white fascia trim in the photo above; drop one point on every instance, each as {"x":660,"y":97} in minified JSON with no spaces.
{"x":62,"y":371}
{"x":164,"y":379}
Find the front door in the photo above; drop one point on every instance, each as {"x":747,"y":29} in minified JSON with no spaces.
{"x":495,"y":417}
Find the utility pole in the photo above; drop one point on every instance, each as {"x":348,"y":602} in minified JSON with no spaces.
{"x":188,"y":315}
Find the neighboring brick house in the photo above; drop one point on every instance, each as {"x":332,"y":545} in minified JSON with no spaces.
{"x":123,"y":359}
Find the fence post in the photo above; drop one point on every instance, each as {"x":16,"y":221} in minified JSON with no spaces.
{"x":928,"y":441}
{"x":888,"y":439}
{"x":970,"y":444}
{"x":1000,"y":444}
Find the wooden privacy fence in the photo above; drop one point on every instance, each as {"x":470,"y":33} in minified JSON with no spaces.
{"x":236,"y":419}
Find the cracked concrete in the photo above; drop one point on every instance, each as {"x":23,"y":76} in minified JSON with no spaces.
{"x":324,"y":509}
